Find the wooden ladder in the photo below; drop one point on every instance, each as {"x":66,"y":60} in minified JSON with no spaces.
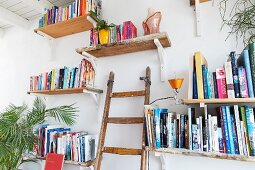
{"x":123,"y":120}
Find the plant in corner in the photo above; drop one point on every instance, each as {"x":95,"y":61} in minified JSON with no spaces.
{"x":240,"y":18}
{"x":16,"y":129}
{"x":103,"y":29}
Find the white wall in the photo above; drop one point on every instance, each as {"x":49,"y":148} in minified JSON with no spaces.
{"x":23,"y":53}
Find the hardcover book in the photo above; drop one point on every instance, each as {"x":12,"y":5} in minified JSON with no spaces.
{"x":221,"y":83}
{"x":54,"y":161}
{"x":229,"y":79}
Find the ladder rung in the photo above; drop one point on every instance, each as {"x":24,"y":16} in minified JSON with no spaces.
{"x":122,"y":151}
{"x":125,"y":120}
{"x":128,"y":94}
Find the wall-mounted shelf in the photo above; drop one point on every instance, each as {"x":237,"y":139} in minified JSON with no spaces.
{"x":192,"y":2}
{"x":154,"y":41}
{"x":68,"y":27}
{"x":218,"y":101}
{"x":163,"y":151}
{"x":127,"y":46}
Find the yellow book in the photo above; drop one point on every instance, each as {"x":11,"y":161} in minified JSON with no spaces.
{"x":199,"y":61}
{"x":53,"y":79}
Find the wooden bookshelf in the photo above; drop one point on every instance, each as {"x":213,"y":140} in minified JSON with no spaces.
{"x":68,"y":27}
{"x":218,"y":101}
{"x":142,"y":43}
{"x":187,"y":152}
{"x":192,"y":2}
{"x":66,"y":91}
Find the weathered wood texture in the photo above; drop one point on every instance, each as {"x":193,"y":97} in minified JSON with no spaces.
{"x":122,"y":151}
{"x":125,"y":120}
{"x":218,"y":101}
{"x":127,"y":46}
{"x":66,"y":91}
{"x":128,"y":94}
{"x":192,"y":2}
{"x":72,"y":26}
{"x":202,"y":154}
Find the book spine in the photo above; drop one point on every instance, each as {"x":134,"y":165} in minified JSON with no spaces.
{"x":178,"y":131}
{"x":243,"y":82}
{"x":157,"y":126}
{"x":248,"y":73}
{"x":182,"y":132}
{"x":195,"y":145}
{"x":250,"y":126}
{"x":190,"y":127}
{"x":238,"y":129}
{"x":163,"y":130}
{"x":201,"y":132}
{"x":195,"y":95}
{"x":209,"y":134}
{"x":208,"y":83}
{"x":186,"y":132}
{"x":252,"y":62}
{"x":235,"y":138}
{"x":211,"y":85}
{"x":215,"y":136}
{"x":226,"y":131}
{"x":221,"y":141}
{"x":215,"y":85}
{"x":229,"y":79}
{"x":235,"y":74}
{"x":230,"y":130}
{"x":221,"y":83}
{"x":206,"y":131}
{"x":205,"y":82}
{"x":242,"y":128}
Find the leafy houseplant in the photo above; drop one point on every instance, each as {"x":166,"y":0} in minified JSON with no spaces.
{"x":240,"y":18}
{"x":103,"y":28}
{"x":16,"y":129}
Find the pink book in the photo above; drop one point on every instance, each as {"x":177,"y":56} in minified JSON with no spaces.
{"x":221,"y":83}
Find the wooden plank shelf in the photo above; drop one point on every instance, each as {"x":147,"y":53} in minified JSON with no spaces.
{"x":67,"y":91}
{"x":127,"y":46}
{"x":192,"y":2}
{"x":68,"y":27}
{"x":218,"y":101}
{"x":214,"y":155}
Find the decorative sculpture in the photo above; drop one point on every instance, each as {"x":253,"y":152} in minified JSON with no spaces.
{"x":152,"y":23}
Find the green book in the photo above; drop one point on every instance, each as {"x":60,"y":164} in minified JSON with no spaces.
{"x":243,"y":117}
{"x":252,"y":62}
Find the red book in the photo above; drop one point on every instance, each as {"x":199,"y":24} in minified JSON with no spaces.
{"x":54,"y":161}
{"x":221,"y":83}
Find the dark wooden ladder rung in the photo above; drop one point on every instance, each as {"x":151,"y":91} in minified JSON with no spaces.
{"x":125,"y":120}
{"x":128,"y":94}
{"x":122,"y":151}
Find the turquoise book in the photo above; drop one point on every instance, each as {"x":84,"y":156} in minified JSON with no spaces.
{"x":230,"y":130}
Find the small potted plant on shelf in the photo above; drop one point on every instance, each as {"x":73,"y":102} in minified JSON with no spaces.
{"x":103,"y":29}
{"x":17,"y":125}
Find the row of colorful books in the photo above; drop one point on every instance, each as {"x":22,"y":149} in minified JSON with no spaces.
{"x":230,"y":129}
{"x":117,"y":33}
{"x":75,"y":9}
{"x":236,"y":79}
{"x":65,"y":78}
{"x":76,"y":146}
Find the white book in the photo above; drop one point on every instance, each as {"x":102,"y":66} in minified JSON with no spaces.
{"x":215,"y":137}
{"x":59,"y":145}
{"x":170,"y":129}
{"x":245,"y":152}
{"x":64,"y":141}
{"x":238,"y":130}
{"x":88,"y":150}
{"x":190,"y":128}
{"x":212,"y":85}
{"x":229,"y":79}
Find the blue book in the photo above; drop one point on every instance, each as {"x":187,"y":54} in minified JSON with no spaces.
{"x":250,"y":126}
{"x":65,"y":84}
{"x":225,"y":129}
{"x":220,"y":140}
{"x":234,"y":132}
{"x":72,"y":78}
{"x":157,"y":126}
{"x":205,"y":81}
{"x":208,"y":83}
{"x":235,"y":74}
{"x":195,"y":146}
{"x":195,"y":95}
{"x":230,"y":130}
{"x":244,"y":60}
{"x":182,"y":132}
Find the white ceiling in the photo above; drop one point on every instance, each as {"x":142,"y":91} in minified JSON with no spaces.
{"x":26,"y":10}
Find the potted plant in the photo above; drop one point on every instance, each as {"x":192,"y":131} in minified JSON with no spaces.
{"x":103,"y":30}
{"x":16,"y":129}
{"x":239,"y":15}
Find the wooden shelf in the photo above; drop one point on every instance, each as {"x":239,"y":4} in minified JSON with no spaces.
{"x":66,"y":91}
{"x":192,"y":2}
{"x":187,"y":152}
{"x":127,"y":46}
{"x":68,"y":27}
{"x":218,"y":101}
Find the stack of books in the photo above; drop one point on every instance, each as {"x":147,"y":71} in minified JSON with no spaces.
{"x":76,"y":146}
{"x":118,"y":33}
{"x":75,"y":9}
{"x":229,"y":130}
{"x":235,"y":79}
{"x":65,"y":78}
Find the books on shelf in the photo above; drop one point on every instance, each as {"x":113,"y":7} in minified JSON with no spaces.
{"x":73,"y":10}
{"x":227,"y":129}
{"x":65,"y":78}
{"x":235,"y":79}
{"x":75,"y":146}
{"x":117,"y":33}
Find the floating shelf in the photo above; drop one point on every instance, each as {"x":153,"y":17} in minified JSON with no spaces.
{"x":192,"y":2}
{"x":127,"y":46}
{"x":218,"y":101}
{"x":66,"y":91}
{"x":187,"y":152}
{"x":68,"y":27}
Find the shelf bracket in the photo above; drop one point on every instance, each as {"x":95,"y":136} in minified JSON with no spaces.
{"x":198,"y":18}
{"x":161,"y":55}
{"x":162,"y":157}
